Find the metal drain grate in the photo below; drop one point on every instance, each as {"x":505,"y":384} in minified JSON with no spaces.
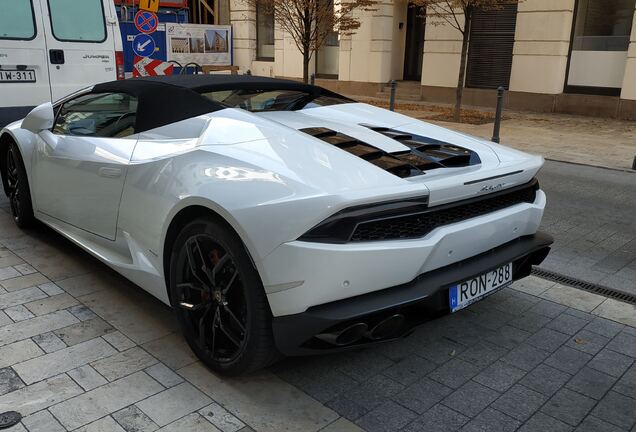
{"x":585,"y":286}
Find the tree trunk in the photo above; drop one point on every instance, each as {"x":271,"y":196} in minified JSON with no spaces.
{"x":462,"y":65}
{"x":306,"y":43}
{"x":306,"y":58}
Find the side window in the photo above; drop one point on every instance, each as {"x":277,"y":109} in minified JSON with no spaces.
{"x":17,"y":21}
{"x":98,"y":114}
{"x":78,"y":21}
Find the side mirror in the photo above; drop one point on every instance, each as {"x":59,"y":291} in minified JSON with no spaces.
{"x":39,"y":119}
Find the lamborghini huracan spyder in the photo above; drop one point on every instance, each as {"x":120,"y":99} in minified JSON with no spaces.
{"x":276,"y":217}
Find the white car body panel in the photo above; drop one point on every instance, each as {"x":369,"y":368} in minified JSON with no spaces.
{"x":116,"y":198}
{"x":294,"y":285}
{"x":66,"y":166}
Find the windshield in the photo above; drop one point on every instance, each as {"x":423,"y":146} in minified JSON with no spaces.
{"x":273,"y":100}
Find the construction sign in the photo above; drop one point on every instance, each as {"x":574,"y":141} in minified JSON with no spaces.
{"x":149,"y":5}
{"x":145,"y":66}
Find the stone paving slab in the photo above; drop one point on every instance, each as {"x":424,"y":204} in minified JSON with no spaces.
{"x":93,"y":353}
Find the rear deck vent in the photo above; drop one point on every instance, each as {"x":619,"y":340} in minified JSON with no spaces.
{"x":392,"y":163}
{"x":440,"y":153}
{"x":424,"y":154}
{"x":585,"y":286}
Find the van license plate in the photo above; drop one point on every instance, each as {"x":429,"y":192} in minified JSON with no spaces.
{"x":17,"y":76}
{"x":468,"y":292}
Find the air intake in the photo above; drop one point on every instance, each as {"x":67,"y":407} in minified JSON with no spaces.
{"x":440,"y":153}
{"x":421,"y":157}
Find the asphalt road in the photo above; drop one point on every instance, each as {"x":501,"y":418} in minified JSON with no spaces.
{"x":592,"y":214}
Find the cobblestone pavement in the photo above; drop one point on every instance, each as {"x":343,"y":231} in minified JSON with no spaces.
{"x":83,"y":349}
{"x":591,"y":212}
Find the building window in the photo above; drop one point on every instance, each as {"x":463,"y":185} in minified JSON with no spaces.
{"x":327,"y":57}
{"x":264,"y":33}
{"x":492,"y":40}
{"x":600,"y":41}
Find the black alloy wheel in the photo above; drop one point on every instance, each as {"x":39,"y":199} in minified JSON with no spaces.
{"x":18,"y":188}
{"x":219,"y":299}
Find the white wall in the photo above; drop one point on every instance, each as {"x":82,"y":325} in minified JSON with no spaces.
{"x":442,"y":53}
{"x":542,"y":41}
{"x":375,"y":53}
{"x":243,"y":20}
{"x":629,"y":81}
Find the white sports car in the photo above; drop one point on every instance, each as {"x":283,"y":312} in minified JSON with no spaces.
{"x":276,"y":217}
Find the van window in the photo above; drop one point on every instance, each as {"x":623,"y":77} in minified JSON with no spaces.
{"x":107,"y":115}
{"x":17,"y":21}
{"x":78,"y":21}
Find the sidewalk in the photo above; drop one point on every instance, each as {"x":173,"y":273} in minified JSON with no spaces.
{"x":586,"y":140}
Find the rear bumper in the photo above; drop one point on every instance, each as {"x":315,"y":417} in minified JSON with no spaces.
{"x":420,"y":300}
{"x":299,"y":275}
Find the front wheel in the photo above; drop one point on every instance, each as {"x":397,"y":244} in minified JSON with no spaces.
{"x":18,"y":188}
{"x":219,"y":299}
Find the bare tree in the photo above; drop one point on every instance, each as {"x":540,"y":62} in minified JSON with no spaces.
{"x":458,"y":14}
{"x":309,"y":22}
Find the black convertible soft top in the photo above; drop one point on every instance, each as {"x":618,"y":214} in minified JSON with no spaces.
{"x":167,"y":99}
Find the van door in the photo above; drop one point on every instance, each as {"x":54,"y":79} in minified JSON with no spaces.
{"x":24,"y":74}
{"x":80,"y":44}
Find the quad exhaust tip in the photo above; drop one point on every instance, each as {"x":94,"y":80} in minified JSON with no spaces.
{"x":388,"y":327}
{"x":385,"y":329}
{"x":349,"y":335}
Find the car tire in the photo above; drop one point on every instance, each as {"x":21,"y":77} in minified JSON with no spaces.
{"x":18,"y":188}
{"x":219,"y":299}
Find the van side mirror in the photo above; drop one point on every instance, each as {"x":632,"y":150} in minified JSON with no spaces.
{"x":39,"y":119}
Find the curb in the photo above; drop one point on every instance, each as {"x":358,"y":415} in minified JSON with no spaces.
{"x":627,"y":170}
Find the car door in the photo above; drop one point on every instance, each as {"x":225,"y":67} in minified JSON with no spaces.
{"x":24,"y":74}
{"x":81,"y":163}
{"x":80,"y":46}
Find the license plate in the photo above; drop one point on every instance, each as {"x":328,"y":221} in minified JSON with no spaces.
{"x":468,"y":292}
{"x":17,"y":76}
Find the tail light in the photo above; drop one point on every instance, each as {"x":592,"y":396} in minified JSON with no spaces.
{"x":119,"y":65}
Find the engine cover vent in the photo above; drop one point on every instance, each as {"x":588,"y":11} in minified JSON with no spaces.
{"x":444,"y":154}
{"x":424,"y":154}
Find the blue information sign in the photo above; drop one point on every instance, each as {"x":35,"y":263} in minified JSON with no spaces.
{"x":143,"y":45}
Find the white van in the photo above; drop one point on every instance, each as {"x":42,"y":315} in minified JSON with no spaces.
{"x":50,"y":48}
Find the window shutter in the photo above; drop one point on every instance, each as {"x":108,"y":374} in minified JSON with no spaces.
{"x":492,"y":39}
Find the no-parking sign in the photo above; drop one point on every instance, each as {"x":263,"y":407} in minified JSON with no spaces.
{"x":146,"y":22}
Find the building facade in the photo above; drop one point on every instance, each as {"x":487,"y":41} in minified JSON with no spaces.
{"x":570,"y":56}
